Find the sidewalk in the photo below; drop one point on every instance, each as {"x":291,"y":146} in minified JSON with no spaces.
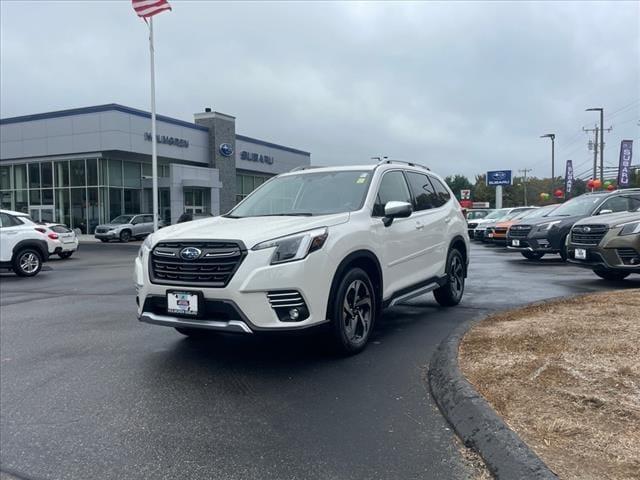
{"x":84,"y":238}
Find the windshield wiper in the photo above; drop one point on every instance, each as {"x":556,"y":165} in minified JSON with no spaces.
{"x":296,"y":214}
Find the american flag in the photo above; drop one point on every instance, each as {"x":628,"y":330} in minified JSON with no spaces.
{"x":149,"y":8}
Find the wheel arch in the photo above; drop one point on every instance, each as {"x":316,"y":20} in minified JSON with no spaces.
{"x":366,"y":260}
{"x":39,"y":245}
{"x":459,"y":244}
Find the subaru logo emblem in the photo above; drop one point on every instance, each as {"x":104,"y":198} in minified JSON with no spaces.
{"x":586,"y":229}
{"x":226,"y":150}
{"x":190,"y":253}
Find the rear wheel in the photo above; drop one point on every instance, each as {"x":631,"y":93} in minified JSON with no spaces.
{"x":451,"y":292}
{"x":27,"y":262}
{"x":65,"y":254}
{"x":125,"y":236}
{"x":610,"y":274}
{"x":354,"y":311}
{"x":532,"y":255}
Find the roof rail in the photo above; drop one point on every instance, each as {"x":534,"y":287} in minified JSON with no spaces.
{"x":303,"y":167}
{"x":411,"y":164}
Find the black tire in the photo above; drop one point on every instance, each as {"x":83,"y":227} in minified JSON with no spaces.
{"x":451,"y":292}
{"x":193,"y":332}
{"x":532,"y":255}
{"x":27,"y":262}
{"x":104,"y":240}
{"x":354,"y":309}
{"x":125,"y":236}
{"x":65,"y":254}
{"x":563,"y":250}
{"x":611,"y":275}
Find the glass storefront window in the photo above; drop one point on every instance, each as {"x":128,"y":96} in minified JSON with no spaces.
{"x":34,"y":197}
{"x":115,"y":202}
{"x":115,"y":173}
{"x":76,"y":168}
{"x":34,"y":175}
{"x":93,"y":212}
{"x":104,"y":203}
{"x":131,"y":201}
{"x":5,"y":178}
{"x":104,"y":171}
{"x":146,"y":170}
{"x":92,"y":171}
{"x":22,"y":201}
{"x":47,"y":196}
{"x":79,"y":208}
{"x":19,"y":177}
{"x":6,"y":200}
{"x":46,"y":171}
{"x":62,"y":174}
{"x":132,"y":175}
{"x":63,"y":207}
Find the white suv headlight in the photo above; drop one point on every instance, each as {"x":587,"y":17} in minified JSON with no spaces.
{"x":296,"y":246}
{"x":146,"y":245}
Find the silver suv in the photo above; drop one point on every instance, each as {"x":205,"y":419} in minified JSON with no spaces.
{"x":126,"y":227}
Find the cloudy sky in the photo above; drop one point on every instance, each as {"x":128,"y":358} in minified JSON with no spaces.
{"x":462,"y":86}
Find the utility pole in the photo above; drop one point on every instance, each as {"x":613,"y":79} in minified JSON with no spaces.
{"x":602,"y":129}
{"x":597,"y":147}
{"x":552,"y":136}
{"x":524,"y":183}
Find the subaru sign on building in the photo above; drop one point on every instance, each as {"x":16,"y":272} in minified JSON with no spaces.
{"x":499,"y":177}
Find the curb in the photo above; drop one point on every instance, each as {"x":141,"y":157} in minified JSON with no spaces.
{"x":473,"y":419}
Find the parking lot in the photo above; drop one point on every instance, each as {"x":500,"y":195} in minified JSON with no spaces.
{"x":89,"y":392}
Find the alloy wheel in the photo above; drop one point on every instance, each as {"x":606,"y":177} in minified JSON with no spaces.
{"x":29,"y":262}
{"x":357,"y":308}
{"x":456,"y":275}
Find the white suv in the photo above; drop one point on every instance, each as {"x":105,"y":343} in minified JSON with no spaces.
{"x":23,"y":245}
{"x":315,"y":246}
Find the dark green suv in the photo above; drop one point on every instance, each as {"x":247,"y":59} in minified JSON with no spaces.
{"x":607,"y":244}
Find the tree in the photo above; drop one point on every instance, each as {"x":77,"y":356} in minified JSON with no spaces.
{"x":481,"y":192}
{"x":457,"y":183}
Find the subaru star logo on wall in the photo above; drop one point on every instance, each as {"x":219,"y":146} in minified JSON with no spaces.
{"x":190,"y":253}
{"x":226,"y":149}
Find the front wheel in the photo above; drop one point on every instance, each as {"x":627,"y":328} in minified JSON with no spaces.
{"x":354,"y":311}
{"x":610,"y":274}
{"x":451,"y":292}
{"x":27,"y":263}
{"x":125,"y":236}
{"x":65,"y":254}
{"x":532,"y":255}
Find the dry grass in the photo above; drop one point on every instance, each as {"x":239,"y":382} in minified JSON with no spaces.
{"x":566,"y":377}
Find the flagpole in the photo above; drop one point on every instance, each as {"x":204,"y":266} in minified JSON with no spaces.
{"x":154,"y":153}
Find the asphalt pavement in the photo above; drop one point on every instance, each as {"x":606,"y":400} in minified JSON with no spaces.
{"x":86,"y":391}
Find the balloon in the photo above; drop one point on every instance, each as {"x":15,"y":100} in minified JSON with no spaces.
{"x":590,"y":183}
{"x":597,"y":184}
{"x":558,"y":193}
{"x":544,"y":196}
{"x":611,"y":187}
{"x":607,"y":183}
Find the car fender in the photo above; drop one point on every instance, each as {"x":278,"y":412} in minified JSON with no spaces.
{"x":40,"y":245}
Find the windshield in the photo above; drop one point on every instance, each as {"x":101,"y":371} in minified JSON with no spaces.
{"x":582,"y":205}
{"x":539,"y":212}
{"x":517,"y":214}
{"x":122,"y":219}
{"x":496,"y":214}
{"x":305,"y":194}
{"x":476,"y":215}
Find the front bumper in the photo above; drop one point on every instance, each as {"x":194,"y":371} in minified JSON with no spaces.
{"x":243,"y":305}
{"x":541,"y":242}
{"x":110,"y":235}
{"x":614,"y":252}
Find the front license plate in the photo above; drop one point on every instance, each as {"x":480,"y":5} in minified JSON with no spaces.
{"x":515,"y":243}
{"x":580,"y":254}
{"x":183,"y":303}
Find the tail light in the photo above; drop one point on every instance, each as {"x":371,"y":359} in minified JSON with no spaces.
{"x":53,"y":236}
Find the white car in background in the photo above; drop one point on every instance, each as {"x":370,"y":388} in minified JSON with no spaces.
{"x":66,"y":242}
{"x":23,"y":245}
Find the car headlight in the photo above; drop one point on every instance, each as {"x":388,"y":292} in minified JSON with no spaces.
{"x":547,"y":226}
{"x":295,"y":247}
{"x":146,"y":245}
{"x":629,"y":228}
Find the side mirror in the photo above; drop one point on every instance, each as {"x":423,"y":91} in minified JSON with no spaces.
{"x":394,"y":210}
{"x":605,"y":211}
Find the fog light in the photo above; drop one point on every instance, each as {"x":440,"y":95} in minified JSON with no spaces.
{"x":294,"y":314}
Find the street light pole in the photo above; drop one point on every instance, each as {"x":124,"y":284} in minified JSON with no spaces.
{"x":552,"y":136}
{"x":601,"y":110}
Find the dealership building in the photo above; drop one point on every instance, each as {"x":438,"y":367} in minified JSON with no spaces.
{"x":85,"y":166}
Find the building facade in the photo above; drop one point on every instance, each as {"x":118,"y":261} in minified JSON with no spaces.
{"x":85,"y":166}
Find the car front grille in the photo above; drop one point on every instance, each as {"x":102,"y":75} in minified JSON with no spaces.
{"x":472,"y":225}
{"x":519,"y":231}
{"x":101,"y":230}
{"x":588,"y":234}
{"x":212,"y":263}
{"x":501,"y":230}
{"x":628,"y":256}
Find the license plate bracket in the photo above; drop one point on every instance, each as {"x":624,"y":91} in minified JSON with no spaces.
{"x":580,"y":254}
{"x":184,"y":302}
{"x":515,"y":243}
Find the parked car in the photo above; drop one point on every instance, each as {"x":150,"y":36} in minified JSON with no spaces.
{"x":480,"y":228}
{"x":23,"y":248}
{"x":66,"y":243}
{"x":499,"y":232}
{"x":490,"y":227}
{"x":126,"y":227}
{"x":322,"y":246}
{"x":477,"y":213}
{"x":542,"y":236}
{"x":607,"y":244}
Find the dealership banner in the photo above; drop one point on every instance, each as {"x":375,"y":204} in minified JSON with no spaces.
{"x":568,"y":179}
{"x":624,"y":167}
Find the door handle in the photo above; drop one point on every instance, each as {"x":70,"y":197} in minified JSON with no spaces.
{"x":448,"y":219}
{"x":419,"y":225}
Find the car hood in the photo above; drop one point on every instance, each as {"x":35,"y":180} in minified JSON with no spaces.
{"x":482,"y":221}
{"x":250,"y":230}
{"x":111,"y":225}
{"x":563,"y":220}
{"x":610,"y":219}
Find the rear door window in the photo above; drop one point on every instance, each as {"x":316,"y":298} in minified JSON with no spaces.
{"x":424,"y":195}
{"x":441,"y":190}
